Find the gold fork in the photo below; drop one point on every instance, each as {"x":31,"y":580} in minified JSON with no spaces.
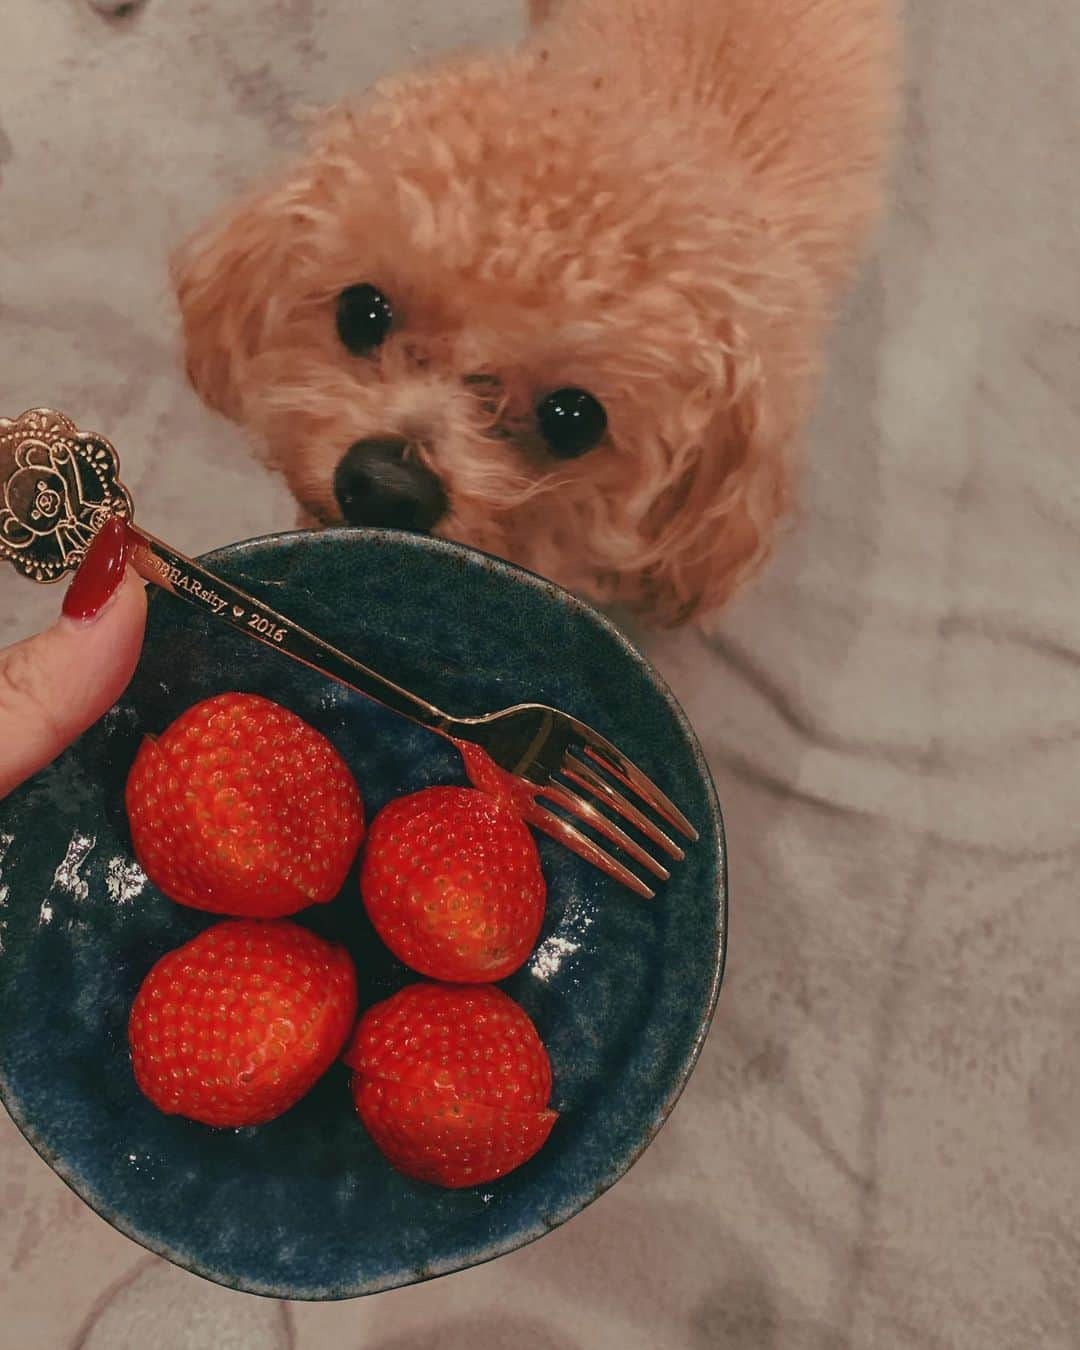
{"x":58,"y":486}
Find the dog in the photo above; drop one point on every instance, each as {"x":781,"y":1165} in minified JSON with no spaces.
{"x":565,"y":303}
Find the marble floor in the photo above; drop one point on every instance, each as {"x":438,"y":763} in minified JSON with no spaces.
{"x":881,"y":1146}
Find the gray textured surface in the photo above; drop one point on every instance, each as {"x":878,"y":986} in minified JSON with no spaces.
{"x":880,"y":1146}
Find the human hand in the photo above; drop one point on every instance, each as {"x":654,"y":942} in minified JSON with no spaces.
{"x":56,"y":684}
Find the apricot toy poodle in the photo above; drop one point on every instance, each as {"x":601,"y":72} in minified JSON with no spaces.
{"x":565,"y":303}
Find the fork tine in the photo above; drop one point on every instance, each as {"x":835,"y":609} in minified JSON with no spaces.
{"x":587,"y":778}
{"x":614,"y":762}
{"x":573,"y":839}
{"x":591,"y":815}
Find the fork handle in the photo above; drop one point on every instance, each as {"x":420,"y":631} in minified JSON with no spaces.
{"x":157,"y":563}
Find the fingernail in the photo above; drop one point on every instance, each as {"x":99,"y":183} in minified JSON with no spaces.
{"x":100,"y":572}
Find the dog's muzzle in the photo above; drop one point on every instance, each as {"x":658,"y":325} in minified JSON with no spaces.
{"x":380,"y":482}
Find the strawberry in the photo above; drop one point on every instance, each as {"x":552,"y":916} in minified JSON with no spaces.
{"x":452,"y":883}
{"x":237,"y":1025}
{"x":242,"y":808}
{"x":452,"y":1083}
{"x":486,"y":775}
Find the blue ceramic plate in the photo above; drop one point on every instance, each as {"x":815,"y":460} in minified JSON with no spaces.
{"x":621,"y":990}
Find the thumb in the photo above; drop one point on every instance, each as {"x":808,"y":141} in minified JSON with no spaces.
{"x":56,"y":684}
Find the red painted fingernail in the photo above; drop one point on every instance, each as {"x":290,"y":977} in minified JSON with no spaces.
{"x":100,"y":572}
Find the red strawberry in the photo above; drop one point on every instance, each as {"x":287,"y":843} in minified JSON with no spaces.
{"x":452,"y":1083}
{"x":242,"y":808}
{"x":486,"y":775}
{"x":452,"y":882}
{"x":237,"y":1025}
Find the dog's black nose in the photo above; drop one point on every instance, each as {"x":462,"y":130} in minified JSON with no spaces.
{"x":378,"y":482}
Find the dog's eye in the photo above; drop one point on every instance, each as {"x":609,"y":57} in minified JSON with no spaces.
{"x":572,"y":422}
{"x":364,"y":318}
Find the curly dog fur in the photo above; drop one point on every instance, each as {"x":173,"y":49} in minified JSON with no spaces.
{"x":659,"y":201}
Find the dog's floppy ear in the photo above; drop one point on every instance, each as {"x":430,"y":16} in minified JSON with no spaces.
{"x":715,"y":526}
{"x":226,"y":277}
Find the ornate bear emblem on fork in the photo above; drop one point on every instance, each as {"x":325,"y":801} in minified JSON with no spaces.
{"x":58,"y":486}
